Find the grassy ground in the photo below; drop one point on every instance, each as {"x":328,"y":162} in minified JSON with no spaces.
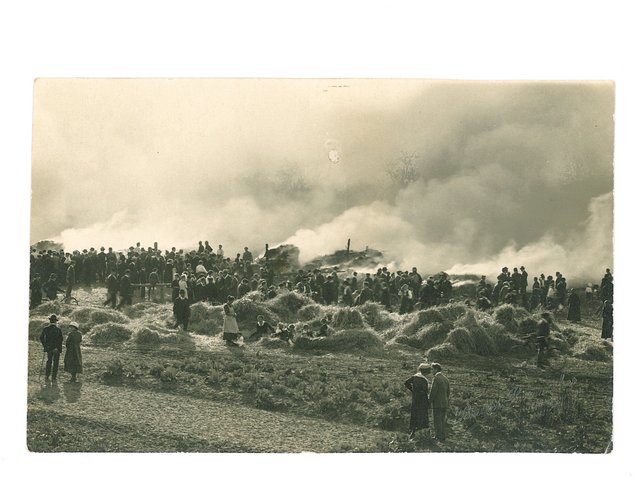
{"x":194,"y":394}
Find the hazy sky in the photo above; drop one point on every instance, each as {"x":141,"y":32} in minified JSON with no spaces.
{"x":513,"y":173}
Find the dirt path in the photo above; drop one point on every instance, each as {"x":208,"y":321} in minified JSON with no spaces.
{"x":215,"y":425}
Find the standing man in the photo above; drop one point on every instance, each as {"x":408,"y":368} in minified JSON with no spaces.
{"x":112,"y":290}
{"x":51,"y":339}
{"x":418,"y":385}
{"x":182,"y":310}
{"x":126,"y":293}
{"x":439,"y":399}
{"x":524,"y":280}
{"x":73,"y":355}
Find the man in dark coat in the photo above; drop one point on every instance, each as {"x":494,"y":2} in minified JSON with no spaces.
{"x":524,"y":280}
{"x":51,"y":339}
{"x":182,"y":310}
{"x":439,"y":399}
{"x":112,"y":290}
{"x":419,"y":387}
{"x":573,"y":314}
{"x":72,"y":354}
{"x":126,"y":291}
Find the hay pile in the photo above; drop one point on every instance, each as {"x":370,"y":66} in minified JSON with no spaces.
{"x":347,"y":318}
{"x":505,"y":316}
{"x":206,"y":319}
{"x":452,"y":311}
{"x":377,"y":317}
{"x":247,"y":312}
{"x":89,"y":317}
{"x":431,"y":335}
{"x":47,"y":308}
{"x":441,"y":353}
{"x":362,"y":341}
{"x":312,"y":312}
{"x":503,"y":340}
{"x":149,"y":310}
{"x":109,"y":333}
{"x":461,"y":340}
{"x":417,"y":320}
{"x":147,"y":336}
{"x":590,"y":350}
{"x":287,"y":305}
{"x":484,"y":343}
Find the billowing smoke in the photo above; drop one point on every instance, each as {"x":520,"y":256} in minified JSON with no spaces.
{"x":460,"y":176}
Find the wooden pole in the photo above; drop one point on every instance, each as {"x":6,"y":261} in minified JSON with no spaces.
{"x":348,"y":246}
{"x":266,"y":250}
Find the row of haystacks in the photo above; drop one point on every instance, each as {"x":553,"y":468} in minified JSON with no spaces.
{"x":443,"y":331}
{"x":454,"y":329}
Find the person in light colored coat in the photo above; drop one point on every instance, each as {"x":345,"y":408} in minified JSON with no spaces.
{"x":439,"y":400}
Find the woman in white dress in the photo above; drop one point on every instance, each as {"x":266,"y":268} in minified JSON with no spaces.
{"x":230,"y":331}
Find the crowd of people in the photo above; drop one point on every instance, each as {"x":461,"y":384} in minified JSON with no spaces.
{"x":208,"y":275}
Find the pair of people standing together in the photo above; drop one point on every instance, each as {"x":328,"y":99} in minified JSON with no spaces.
{"x":422,"y":399}
{"x":51,"y":339}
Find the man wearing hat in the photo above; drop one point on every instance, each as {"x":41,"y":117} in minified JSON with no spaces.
{"x":72,"y":354}
{"x":51,"y":339}
{"x":419,"y":387}
{"x":439,"y":399}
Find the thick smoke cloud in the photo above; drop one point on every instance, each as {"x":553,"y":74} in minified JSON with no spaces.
{"x":503,"y":173}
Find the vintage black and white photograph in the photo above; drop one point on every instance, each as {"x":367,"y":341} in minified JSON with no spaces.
{"x":339,"y":265}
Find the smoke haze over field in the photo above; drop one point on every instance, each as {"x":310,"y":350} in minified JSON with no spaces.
{"x":503,"y":174}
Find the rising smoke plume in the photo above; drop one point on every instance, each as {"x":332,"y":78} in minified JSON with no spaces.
{"x":502,"y":174}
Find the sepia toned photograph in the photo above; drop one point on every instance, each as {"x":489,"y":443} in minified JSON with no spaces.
{"x":321,"y":265}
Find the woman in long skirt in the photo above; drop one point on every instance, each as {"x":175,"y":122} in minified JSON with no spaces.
{"x":419,"y":387}
{"x":73,"y":355}
{"x":230,"y":331}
